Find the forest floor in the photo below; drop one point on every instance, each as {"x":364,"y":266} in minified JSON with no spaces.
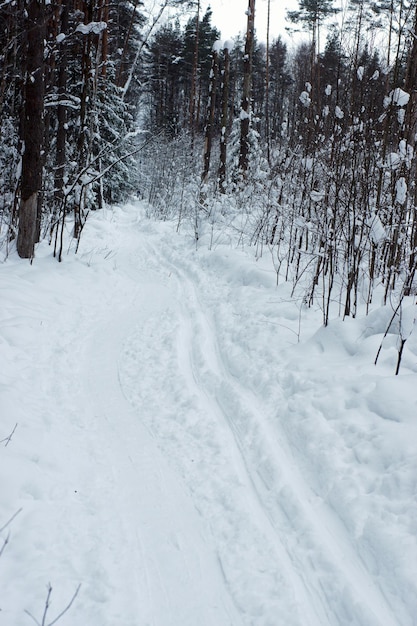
{"x":192,"y":447}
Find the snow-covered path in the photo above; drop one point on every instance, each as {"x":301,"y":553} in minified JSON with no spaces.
{"x":184,"y":457}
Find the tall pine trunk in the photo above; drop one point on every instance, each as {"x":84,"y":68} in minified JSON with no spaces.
{"x":224,"y":120}
{"x":61,"y":113}
{"x":246,"y":95}
{"x":32,"y":129}
{"x":211,"y":106}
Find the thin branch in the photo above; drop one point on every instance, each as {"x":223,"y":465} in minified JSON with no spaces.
{"x":9,"y":437}
{"x":47,"y":605}
{"x":48,"y":597}
{"x":5,"y":542}
{"x":394,"y":315}
{"x":67,"y":607}
{"x":10,"y":520}
{"x":34,"y":618}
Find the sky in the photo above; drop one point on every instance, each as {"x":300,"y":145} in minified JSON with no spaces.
{"x":229,"y":16}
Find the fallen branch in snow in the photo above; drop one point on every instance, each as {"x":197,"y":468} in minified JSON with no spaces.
{"x":47,"y":605}
{"x":9,"y":437}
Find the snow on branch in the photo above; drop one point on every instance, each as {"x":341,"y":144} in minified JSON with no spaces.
{"x":93,"y":27}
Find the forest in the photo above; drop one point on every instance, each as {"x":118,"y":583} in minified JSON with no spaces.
{"x":307,"y":153}
{"x":208,"y":305}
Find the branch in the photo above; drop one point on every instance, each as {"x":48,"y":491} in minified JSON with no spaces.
{"x":9,"y":438}
{"x":5,"y":542}
{"x":47,"y":605}
{"x":11,"y":519}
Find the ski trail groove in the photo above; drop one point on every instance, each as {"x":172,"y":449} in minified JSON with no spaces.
{"x":308,"y":535}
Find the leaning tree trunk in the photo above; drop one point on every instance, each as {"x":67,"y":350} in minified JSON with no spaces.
{"x":246,"y":95}
{"x":32,"y":129}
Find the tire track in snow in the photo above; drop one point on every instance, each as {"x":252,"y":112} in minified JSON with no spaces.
{"x":314,"y":541}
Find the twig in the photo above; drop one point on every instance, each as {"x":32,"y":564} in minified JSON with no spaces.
{"x":47,"y":605}
{"x":10,"y":520}
{"x":387,"y":330}
{"x":9,"y":438}
{"x":5,"y":542}
{"x":67,"y":607}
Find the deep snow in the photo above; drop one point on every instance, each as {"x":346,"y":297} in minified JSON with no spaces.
{"x":193,"y":447}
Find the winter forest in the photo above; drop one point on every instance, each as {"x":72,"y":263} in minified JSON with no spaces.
{"x":208,"y":283}
{"x":314,"y":145}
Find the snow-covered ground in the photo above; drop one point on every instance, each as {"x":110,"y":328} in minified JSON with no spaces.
{"x":192,"y":447}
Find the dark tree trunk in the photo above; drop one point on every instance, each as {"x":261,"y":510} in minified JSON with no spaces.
{"x":211,"y":106}
{"x":224,"y":121}
{"x":61,"y":112}
{"x":193,"y":96}
{"x":246,"y":96}
{"x":32,"y":131}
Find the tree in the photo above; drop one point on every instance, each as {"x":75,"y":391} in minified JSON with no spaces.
{"x":245,"y":110}
{"x":32,"y":128}
{"x":211,"y":106}
{"x":225,"y":80}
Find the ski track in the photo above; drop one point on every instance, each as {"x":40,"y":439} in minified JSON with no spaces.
{"x":193,"y":463}
{"x":157,"y":523}
{"x":296,"y":525}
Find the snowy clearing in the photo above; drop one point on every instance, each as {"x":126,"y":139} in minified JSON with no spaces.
{"x":192,"y":447}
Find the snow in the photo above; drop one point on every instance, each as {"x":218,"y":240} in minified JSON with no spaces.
{"x":92,"y":27}
{"x":401,"y":190}
{"x":398,"y":96}
{"x":305,"y":99}
{"x":218,"y":46}
{"x":192,"y":447}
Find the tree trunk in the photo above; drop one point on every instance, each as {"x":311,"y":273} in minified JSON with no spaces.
{"x":32,"y":131}
{"x":61,"y":113}
{"x":246,"y":95}
{"x":211,"y":106}
{"x":223,"y":122}
{"x":194,"y":76}
{"x":267,"y":124}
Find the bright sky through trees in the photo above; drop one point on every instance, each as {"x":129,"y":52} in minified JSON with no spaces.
{"x":229,"y":16}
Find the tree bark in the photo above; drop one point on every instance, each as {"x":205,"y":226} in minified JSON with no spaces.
{"x":61,"y":112}
{"x":224,"y":120}
{"x":194,"y":76}
{"x":32,"y":131}
{"x":246,"y":95}
{"x":211,"y":106}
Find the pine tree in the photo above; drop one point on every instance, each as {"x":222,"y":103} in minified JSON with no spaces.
{"x":32,"y":129}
